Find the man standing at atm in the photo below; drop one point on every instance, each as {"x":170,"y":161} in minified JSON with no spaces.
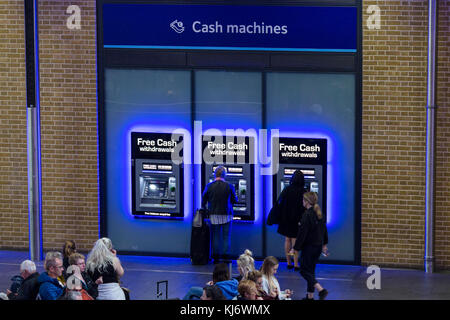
{"x":220,"y":197}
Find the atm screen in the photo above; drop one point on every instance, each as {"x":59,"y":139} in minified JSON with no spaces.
{"x":311,"y":183}
{"x":157,"y":180}
{"x":157,"y":186}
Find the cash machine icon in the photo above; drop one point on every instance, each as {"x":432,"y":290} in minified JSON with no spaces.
{"x":177,"y":26}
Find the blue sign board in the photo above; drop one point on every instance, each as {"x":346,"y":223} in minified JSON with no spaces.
{"x":230,"y":27}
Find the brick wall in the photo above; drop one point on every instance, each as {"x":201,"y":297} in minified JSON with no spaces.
{"x":394,"y":136}
{"x":442,"y":218}
{"x":13,"y":128}
{"x":68,"y":125}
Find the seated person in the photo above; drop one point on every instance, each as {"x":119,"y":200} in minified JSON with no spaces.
{"x":77,"y":259}
{"x":212,"y":293}
{"x":248,"y":291}
{"x":257,"y":277}
{"x":245,"y":264}
{"x":270,"y":283}
{"x":15,"y":285}
{"x":50,"y":288}
{"x":221,"y":279}
{"x":74,"y":288}
{"x":29,"y":287}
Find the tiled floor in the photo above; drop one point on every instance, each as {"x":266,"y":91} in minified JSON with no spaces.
{"x":343,"y":282}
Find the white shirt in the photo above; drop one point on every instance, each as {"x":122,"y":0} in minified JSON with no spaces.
{"x":267,"y":288}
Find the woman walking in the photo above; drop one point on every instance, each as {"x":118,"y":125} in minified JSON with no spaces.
{"x":312,"y":240}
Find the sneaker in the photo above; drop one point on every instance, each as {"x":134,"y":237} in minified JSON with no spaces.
{"x":307,"y":298}
{"x":296,"y":268}
{"x":323,"y":294}
{"x":290,"y":266}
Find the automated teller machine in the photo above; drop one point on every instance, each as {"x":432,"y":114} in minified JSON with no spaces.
{"x":157,"y":174}
{"x":307,"y":155}
{"x":235,"y":154}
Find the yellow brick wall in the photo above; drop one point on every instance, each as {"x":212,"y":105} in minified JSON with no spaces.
{"x":68,"y":125}
{"x":394,"y":134}
{"x":13,"y":128}
{"x":442,"y":218}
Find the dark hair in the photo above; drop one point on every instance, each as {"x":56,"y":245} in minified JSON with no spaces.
{"x":254,"y":275}
{"x":220,"y":172}
{"x":298,"y":179}
{"x":69,"y":248}
{"x":214,"y":292}
{"x":221,"y":273}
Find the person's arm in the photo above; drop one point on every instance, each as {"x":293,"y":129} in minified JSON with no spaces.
{"x":302,"y":232}
{"x":205,"y":197}
{"x":325,"y":236}
{"x":233,"y":196}
{"x":48,"y":291}
{"x":118,"y":267}
{"x":325,"y":241}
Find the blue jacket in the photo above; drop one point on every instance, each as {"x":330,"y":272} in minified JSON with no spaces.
{"x":49,"y":288}
{"x":229,"y":288}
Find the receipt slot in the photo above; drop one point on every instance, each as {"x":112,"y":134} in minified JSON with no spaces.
{"x":307,"y":155}
{"x":157,"y":174}
{"x":236,"y":154}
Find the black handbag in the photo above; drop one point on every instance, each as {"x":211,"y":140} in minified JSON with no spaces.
{"x":274,"y":215}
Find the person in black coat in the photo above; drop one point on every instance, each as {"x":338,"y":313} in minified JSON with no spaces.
{"x":312,"y":240}
{"x":290,"y":212}
{"x":29,"y":288}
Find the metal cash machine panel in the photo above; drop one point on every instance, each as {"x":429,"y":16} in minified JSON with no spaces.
{"x":157,"y":174}
{"x":307,"y":155}
{"x":235,"y":154}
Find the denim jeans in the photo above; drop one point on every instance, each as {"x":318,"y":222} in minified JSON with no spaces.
{"x":220,"y":239}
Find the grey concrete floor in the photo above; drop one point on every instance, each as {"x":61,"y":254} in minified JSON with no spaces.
{"x":343,"y":282}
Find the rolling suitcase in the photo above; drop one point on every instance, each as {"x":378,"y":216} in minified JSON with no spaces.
{"x":200,"y":239}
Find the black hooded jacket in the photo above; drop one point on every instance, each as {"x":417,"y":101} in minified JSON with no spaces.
{"x":291,"y":207}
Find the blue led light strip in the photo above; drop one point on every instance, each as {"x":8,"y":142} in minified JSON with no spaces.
{"x":230,"y":48}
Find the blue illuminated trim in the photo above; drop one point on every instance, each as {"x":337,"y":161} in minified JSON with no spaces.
{"x":230,"y":48}
{"x":126,"y":169}
{"x":332,"y":184}
{"x":258,"y":189}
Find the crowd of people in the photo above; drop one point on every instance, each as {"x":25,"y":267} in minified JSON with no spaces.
{"x":250,"y":284}
{"x":69,"y":276}
{"x":298,"y":215}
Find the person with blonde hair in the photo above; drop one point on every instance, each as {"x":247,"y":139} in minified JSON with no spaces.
{"x":104,"y":267}
{"x":248,"y":291}
{"x":77,"y":259}
{"x":312,"y":240}
{"x":245,"y":264}
{"x":270,"y":283}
